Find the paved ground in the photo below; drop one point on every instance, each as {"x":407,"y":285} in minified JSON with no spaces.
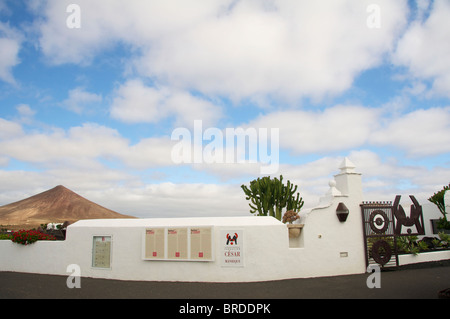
{"x":420,"y":281}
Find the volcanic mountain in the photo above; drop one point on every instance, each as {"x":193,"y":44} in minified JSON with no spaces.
{"x":56,"y":205}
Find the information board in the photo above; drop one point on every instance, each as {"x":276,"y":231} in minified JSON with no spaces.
{"x":101,"y":252}
{"x":178,"y":243}
{"x":154,"y":243}
{"x":201,"y":243}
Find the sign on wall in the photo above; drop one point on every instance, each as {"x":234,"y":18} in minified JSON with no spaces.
{"x":232,"y":242}
{"x":154,"y":243}
{"x":178,"y":243}
{"x":201,"y":243}
{"x":101,"y":252}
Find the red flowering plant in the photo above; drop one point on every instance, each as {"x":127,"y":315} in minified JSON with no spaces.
{"x":26,"y":237}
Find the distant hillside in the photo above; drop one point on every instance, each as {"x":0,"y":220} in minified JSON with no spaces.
{"x":58,"y":204}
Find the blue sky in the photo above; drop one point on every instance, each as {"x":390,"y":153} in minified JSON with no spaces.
{"x":93,"y":108}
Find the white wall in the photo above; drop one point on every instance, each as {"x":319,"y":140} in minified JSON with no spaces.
{"x":267,"y":254}
{"x":326,"y":246}
{"x":423,"y":257}
{"x":45,"y":257}
{"x":429,"y":212}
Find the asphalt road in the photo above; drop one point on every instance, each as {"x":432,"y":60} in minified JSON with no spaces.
{"x":414,"y":282}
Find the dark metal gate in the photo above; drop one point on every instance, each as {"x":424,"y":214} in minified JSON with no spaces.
{"x":383,"y":223}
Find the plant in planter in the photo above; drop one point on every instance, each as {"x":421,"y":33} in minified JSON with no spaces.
{"x":445,"y":240}
{"x":443,"y":224}
{"x":294,"y":229}
{"x":5,"y":236}
{"x":407,"y":245}
{"x":26,"y":237}
{"x":290,"y":216}
{"x":422,"y":246}
{"x":268,"y":197}
{"x":438,"y":200}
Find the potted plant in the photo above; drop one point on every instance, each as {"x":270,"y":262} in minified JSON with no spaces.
{"x":289,"y":218}
{"x":443,"y":225}
{"x":268,"y":197}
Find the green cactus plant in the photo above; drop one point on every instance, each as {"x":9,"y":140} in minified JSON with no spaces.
{"x":268,"y":197}
{"x":438,"y":200}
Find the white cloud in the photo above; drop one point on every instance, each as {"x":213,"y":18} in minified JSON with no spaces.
{"x":286,"y":49}
{"x":83,"y":146}
{"x":26,"y":113}
{"x":425,"y":47}
{"x":418,"y":133}
{"x":149,"y":152}
{"x":283,"y":48}
{"x":182,"y":200}
{"x":422,"y":7}
{"x":187,"y":108}
{"x":25,"y":110}
{"x":76,"y":146}
{"x":63,"y":44}
{"x":104,"y":23}
{"x":134,"y":102}
{"x":19,"y":184}
{"x":168,"y":200}
{"x":9,"y":129}
{"x":385,"y":176}
{"x":79,"y":99}
{"x":10,"y":41}
{"x":337,"y":128}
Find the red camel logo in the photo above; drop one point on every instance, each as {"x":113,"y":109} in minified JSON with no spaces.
{"x":231,"y":240}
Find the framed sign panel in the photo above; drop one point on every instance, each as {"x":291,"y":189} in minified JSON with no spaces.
{"x":178,"y":243}
{"x":154,"y":243}
{"x":101,"y":252}
{"x":201,"y":243}
{"x":232,"y":244}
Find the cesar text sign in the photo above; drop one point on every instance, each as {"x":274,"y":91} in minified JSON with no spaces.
{"x":232,"y":248}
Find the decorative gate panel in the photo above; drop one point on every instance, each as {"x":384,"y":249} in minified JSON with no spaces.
{"x":383,"y":223}
{"x":380,"y":242}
